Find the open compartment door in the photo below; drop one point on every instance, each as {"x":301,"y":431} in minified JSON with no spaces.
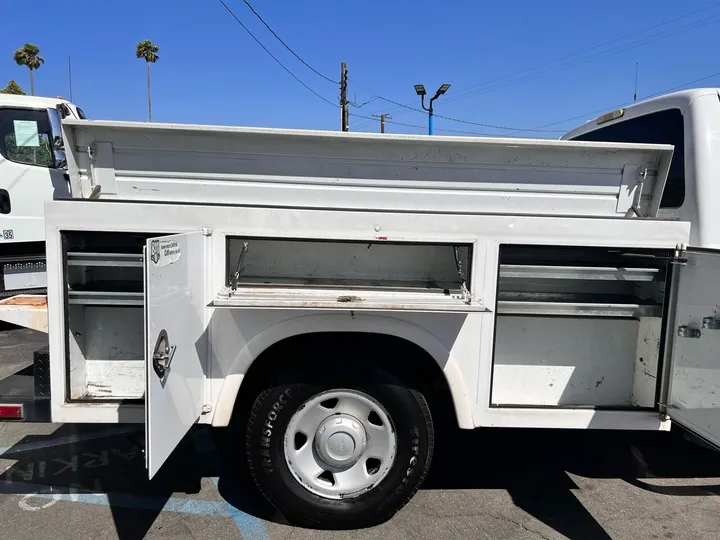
{"x":693,"y":375}
{"x":175,"y":322}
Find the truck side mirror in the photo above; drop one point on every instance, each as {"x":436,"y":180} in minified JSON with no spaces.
{"x":57,"y":143}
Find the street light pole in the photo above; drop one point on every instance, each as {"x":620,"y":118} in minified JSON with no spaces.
{"x":420,"y":91}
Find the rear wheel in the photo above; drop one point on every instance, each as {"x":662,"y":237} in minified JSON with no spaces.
{"x":339,"y":450}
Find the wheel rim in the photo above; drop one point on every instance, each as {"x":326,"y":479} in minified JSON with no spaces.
{"x":340,"y":443}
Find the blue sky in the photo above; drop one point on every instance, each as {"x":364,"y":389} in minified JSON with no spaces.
{"x":210,"y":71}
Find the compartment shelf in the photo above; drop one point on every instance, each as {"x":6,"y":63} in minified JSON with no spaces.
{"x":577,"y":309}
{"x":125,"y":260}
{"x":578,"y":326}
{"x":590,"y":273}
{"x":105,"y":298}
{"x":105,"y":325}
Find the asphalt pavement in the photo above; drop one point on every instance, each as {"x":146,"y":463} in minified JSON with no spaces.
{"x":89,"y":481}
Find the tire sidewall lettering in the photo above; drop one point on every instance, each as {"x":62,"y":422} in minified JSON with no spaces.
{"x":268,"y":431}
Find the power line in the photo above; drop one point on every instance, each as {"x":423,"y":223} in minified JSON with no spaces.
{"x":425,"y":127}
{"x":642,"y":41}
{"x":499,"y":84}
{"x":598,"y":111}
{"x":230,"y":11}
{"x":602,"y":54}
{"x":388,"y":121}
{"x":296,"y":55}
{"x":495,"y":84}
{"x":541,"y":127}
{"x":491,"y":126}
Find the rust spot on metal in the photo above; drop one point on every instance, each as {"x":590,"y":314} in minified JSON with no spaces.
{"x":349,"y":298}
{"x":36,"y":302}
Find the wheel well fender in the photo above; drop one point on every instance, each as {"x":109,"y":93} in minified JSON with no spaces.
{"x":408,"y":333}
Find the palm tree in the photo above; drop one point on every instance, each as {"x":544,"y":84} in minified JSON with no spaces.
{"x":29,"y":55}
{"x":148,"y":51}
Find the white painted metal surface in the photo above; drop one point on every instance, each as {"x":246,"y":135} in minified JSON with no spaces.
{"x":700,"y":108}
{"x":694,"y":385}
{"x":550,"y":361}
{"x":28,"y":186}
{"x":253,"y":166}
{"x":461,"y":343}
{"x":647,"y":360}
{"x":110,"y":336}
{"x":175,"y":294}
{"x":113,"y":380}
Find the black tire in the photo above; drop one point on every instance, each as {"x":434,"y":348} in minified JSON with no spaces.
{"x":278,"y":403}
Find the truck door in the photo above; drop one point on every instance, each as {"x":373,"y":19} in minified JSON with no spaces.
{"x":28,"y":173}
{"x":176,"y":344}
{"x":692,"y":376}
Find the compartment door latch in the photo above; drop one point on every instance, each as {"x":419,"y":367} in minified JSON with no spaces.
{"x":687,"y":332}
{"x":162,"y":354}
{"x":711,"y":323}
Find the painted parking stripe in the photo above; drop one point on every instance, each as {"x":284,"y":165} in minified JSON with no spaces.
{"x":70,"y":439}
{"x":250,"y":527}
{"x":124,"y":500}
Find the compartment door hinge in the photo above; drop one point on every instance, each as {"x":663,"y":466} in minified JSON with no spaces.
{"x":631,"y":190}
{"x":102,"y":170}
{"x":680,"y":255}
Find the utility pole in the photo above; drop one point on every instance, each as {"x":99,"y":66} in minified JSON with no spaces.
{"x":382,"y":118}
{"x":344,"y":116}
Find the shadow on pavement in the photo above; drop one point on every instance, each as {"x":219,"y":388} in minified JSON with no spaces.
{"x":113,"y":465}
{"x":532,"y":465}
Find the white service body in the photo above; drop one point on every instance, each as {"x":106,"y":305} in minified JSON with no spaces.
{"x":535,"y":274}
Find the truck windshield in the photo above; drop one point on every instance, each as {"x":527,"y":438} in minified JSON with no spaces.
{"x":25,"y":136}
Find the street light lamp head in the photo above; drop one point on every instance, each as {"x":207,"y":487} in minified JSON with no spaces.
{"x":420,"y":89}
{"x":443,"y":89}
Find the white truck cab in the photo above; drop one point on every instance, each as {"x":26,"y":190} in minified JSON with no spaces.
{"x":30,"y":175}
{"x":690,"y":121}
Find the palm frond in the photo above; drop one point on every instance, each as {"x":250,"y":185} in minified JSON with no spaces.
{"x":28,"y":55}
{"x":147,"y":50}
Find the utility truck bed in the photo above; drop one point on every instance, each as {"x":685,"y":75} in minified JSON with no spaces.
{"x":233,"y":165}
{"x":321,"y":284}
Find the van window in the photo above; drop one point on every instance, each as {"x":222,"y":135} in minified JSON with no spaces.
{"x":664,"y":127}
{"x":25,"y":136}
